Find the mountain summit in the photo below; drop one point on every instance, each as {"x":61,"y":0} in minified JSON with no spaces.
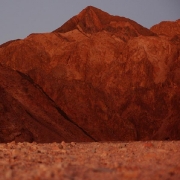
{"x":92,"y":20}
{"x":96,"y":78}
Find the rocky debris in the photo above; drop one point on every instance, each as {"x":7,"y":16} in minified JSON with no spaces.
{"x":96,"y":78}
{"x":108,"y":160}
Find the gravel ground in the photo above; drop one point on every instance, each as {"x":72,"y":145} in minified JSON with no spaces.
{"x":103,"y":160}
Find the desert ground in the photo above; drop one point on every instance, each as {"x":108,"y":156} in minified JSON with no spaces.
{"x":96,"y":160}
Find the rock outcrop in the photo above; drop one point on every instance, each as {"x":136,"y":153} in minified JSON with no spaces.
{"x":28,"y":114}
{"x":96,"y":78}
{"x":92,"y":20}
{"x":167,"y":28}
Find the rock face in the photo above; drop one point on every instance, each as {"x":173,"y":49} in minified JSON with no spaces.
{"x":28,"y":114}
{"x":96,"y":78}
{"x":92,"y":20}
{"x":167,"y":28}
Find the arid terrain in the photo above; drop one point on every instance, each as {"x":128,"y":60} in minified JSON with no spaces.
{"x":105,"y":160}
{"x":105,"y":85}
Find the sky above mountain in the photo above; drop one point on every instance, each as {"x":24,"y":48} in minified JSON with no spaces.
{"x":20,"y":18}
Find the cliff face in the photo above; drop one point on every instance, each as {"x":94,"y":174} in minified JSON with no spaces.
{"x":96,"y":78}
{"x":28,"y":114}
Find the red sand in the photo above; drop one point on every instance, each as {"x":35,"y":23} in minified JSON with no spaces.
{"x":105,"y":160}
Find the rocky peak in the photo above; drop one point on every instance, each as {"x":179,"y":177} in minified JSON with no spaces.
{"x":167,"y":28}
{"x":91,"y":20}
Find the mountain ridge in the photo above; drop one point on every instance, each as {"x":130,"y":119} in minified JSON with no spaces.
{"x":92,"y":20}
{"x":96,"y":78}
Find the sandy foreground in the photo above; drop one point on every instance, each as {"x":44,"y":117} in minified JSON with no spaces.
{"x":103,"y":160}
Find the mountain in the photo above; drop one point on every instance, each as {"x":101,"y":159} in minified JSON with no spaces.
{"x":92,"y":20}
{"x":167,"y":28}
{"x":96,"y":78}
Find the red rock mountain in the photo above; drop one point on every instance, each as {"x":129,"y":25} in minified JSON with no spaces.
{"x":96,"y":78}
{"x":92,"y":20}
{"x":167,"y":28}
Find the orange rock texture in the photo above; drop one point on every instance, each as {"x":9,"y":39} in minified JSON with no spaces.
{"x":96,"y":78}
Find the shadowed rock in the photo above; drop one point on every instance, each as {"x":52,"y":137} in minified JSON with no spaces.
{"x":96,"y":78}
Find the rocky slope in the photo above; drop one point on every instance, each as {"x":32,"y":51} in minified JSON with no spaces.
{"x":167,"y":28}
{"x":96,"y":78}
{"x":28,"y":114}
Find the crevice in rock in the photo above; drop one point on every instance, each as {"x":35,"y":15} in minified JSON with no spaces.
{"x":82,"y":32}
{"x":61,"y":112}
{"x":43,"y":124}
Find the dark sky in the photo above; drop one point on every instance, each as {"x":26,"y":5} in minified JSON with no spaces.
{"x":19,"y":18}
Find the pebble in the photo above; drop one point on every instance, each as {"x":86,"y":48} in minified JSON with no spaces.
{"x":63,"y":160}
{"x":148,"y":145}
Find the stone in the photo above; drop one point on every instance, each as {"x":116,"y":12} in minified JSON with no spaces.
{"x":96,"y":78}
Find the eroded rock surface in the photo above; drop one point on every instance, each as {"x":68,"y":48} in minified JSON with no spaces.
{"x":168,"y":28}
{"x":96,"y":78}
{"x":28,"y":114}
